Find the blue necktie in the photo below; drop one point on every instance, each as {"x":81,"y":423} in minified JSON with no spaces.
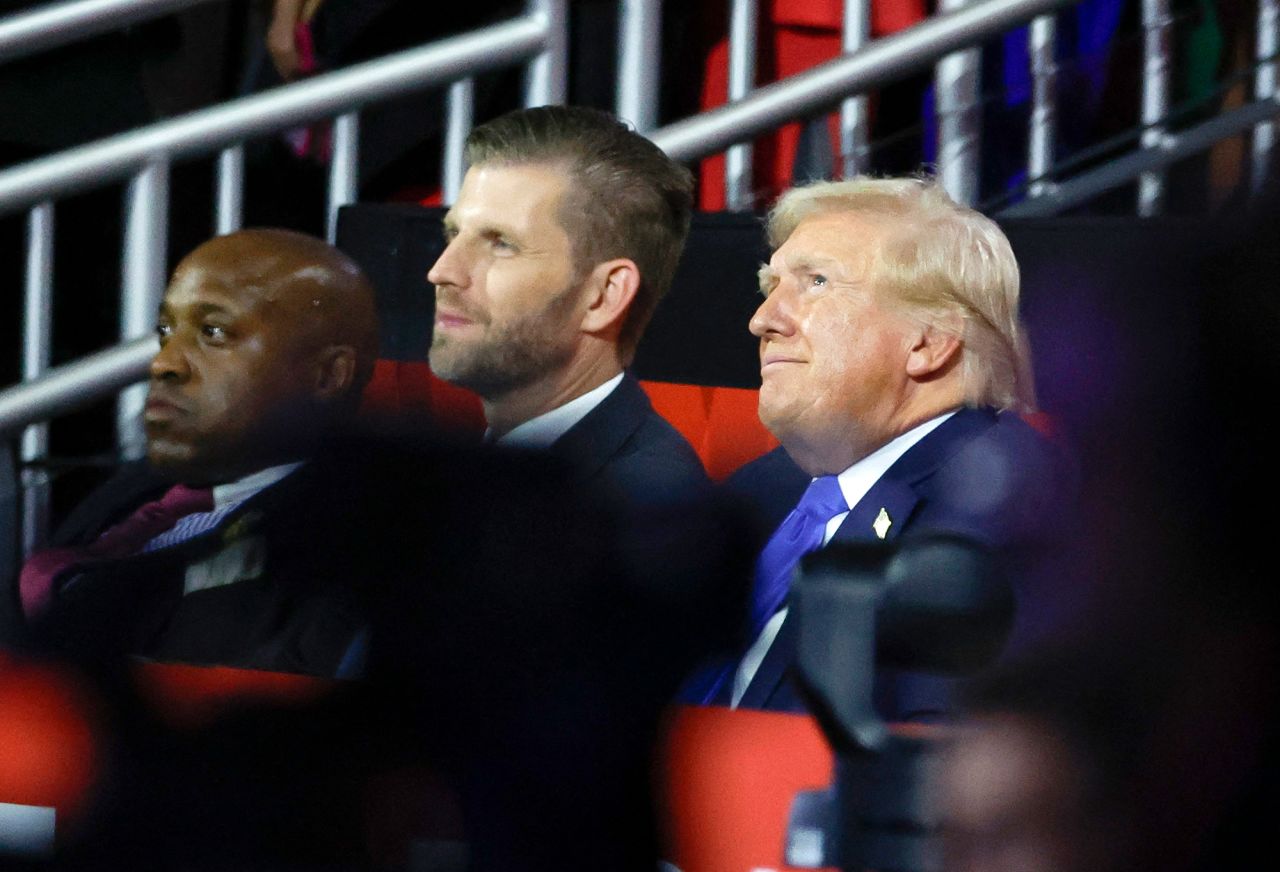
{"x":800,"y":532}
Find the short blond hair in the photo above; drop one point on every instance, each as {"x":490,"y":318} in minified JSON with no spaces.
{"x":937,"y":259}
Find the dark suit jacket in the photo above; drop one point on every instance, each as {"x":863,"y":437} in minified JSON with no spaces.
{"x":628,"y":450}
{"x":290,"y":608}
{"x":987,"y":477}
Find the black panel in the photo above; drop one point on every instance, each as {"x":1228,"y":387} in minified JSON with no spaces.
{"x":396,"y":245}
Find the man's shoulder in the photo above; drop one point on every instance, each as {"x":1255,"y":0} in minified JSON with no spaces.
{"x":1008,"y":479}
{"x":633,"y":449}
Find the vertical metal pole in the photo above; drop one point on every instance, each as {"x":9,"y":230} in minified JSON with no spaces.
{"x":855,"y":119}
{"x":1157,"y":25}
{"x":37,"y":339}
{"x":230,"y":205}
{"x":1264,"y":88}
{"x":146,"y":235}
{"x":1042,"y":136}
{"x":639,"y":62}
{"x":462,"y":95}
{"x":344,"y":168}
{"x":956,"y":82}
{"x":546,"y":80}
{"x":742,"y":80}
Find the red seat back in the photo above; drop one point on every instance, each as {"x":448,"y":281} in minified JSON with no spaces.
{"x":720,"y":423}
{"x":728,"y":778}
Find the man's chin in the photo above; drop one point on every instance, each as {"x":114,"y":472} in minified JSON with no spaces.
{"x":176,"y":460}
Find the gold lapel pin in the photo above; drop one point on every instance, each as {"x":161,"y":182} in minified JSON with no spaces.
{"x":882,"y":523}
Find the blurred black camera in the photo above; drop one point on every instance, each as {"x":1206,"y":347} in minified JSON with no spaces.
{"x":939,"y":605}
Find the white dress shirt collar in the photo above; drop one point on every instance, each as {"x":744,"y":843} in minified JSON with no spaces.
{"x":238,"y":491}
{"x":542,"y":431}
{"x":858,"y":479}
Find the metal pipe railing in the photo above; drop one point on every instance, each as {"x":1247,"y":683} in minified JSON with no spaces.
{"x":215,"y":128}
{"x":743,"y":29}
{"x":1157,"y":25}
{"x":883,"y":60}
{"x":855,"y":114}
{"x":957,"y":82}
{"x":344,"y":169}
{"x":229,"y":202}
{"x":1172,"y":148}
{"x":547,"y":79}
{"x":460,"y":118}
{"x":639,"y":62}
{"x":75,"y":385}
{"x":1267,"y":45}
{"x":37,"y":343}
{"x":1042,"y":133}
{"x":34,"y":31}
{"x":143,"y":268}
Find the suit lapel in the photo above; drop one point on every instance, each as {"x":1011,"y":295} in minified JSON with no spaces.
{"x":896,"y":496}
{"x":589,"y":444}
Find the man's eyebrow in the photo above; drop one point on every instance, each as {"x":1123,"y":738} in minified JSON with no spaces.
{"x":807,"y":262}
{"x":768,"y":277}
{"x":201,"y":308}
{"x":488,"y":230}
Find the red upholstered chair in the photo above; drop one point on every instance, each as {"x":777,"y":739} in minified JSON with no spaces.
{"x":727,"y":780}
{"x":51,"y":753}
{"x":409,"y":388}
{"x":720,"y":423}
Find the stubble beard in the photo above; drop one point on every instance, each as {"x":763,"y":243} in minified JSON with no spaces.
{"x":507,"y":357}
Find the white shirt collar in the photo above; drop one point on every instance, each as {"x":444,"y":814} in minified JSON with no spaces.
{"x":241,"y":489}
{"x":542,"y":431}
{"x":862,"y":476}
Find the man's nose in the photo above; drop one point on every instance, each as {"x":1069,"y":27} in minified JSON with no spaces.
{"x":775,"y":315}
{"x":170,"y":362}
{"x":449,"y":268}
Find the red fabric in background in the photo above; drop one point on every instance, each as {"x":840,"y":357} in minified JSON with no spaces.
{"x":794,"y":35}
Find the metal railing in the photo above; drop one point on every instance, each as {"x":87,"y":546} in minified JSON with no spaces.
{"x":143,"y":158}
{"x":944,"y":43}
{"x":452,"y":60}
{"x":57,"y":24}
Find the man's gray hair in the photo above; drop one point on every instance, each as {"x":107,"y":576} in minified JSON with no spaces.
{"x":937,"y":260}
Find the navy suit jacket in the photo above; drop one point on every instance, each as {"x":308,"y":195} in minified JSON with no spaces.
{"x":287,"y":605}
{"x":625,"y":448}
{"x":982,"y":475}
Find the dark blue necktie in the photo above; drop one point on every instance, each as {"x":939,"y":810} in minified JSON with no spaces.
{"x":800,"y":532}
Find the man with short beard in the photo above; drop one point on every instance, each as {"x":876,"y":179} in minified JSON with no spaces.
{"x":565,"y":235}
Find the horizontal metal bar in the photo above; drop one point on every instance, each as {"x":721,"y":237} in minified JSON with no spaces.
{"x":881,"y":61}
{"x":75,"y":385}
{"x":55,"y":24}
{"x":209,"y":130}
{"x":1173,"y":147}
